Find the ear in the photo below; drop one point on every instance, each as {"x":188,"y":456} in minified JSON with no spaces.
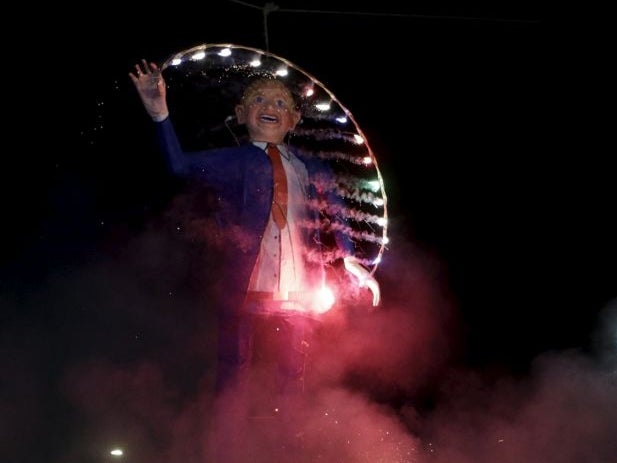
{"x":295,"y":117}
{"x":240,"y":113}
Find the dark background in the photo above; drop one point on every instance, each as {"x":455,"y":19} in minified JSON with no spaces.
{"x":478,"y":120}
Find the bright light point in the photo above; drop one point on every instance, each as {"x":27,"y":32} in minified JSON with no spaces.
{"x":324,"y":300}
{"x":117,"y":452}
{"x":255,"y":63}
{"x":225,"y":52}
{"x":309,"y":92}
{"x":378,"y":202}
{"x":358,"y":139}
{"x":282,"y":72}
{"x":367,"y":160}
{"x":323,"y":106}
{"x":341,"y":119}
{"x":198,"y":56}
{"x":176,"y":61}
{"x":377,"y":260}
{"x":385,"y":240}
{"x":374,"y":185}
{"x":382,"y":222}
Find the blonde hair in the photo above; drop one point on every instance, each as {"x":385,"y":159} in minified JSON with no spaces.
{"x":263,"y":82}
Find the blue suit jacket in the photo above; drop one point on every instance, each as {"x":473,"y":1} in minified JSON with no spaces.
{"x":242,"y":180}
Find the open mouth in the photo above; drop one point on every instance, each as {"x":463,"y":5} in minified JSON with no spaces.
{"x":268,"y":118}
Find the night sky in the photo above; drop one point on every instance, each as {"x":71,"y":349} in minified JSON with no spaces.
{"x":497,"y":336}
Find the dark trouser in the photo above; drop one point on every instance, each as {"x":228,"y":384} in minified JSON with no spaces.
{"x":284,"y":339}
{"x":285,"y":336}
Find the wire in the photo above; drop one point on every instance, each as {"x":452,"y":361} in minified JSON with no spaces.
{"x":271,"y":7}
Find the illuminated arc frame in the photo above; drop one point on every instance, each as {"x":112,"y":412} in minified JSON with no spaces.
{"x":311,"y":88}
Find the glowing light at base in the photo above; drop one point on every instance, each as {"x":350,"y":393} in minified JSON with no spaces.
{"x":324,"y":300}
{"x":116,"y":452}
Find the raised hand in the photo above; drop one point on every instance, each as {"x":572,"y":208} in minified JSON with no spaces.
{"x":151,"y":88}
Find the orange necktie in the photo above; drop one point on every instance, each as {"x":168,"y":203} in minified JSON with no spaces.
{"x":279,"y":201}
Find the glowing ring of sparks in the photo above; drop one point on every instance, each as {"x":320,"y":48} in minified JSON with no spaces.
{"x":212,"y":76}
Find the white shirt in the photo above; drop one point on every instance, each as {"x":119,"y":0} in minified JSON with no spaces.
{"x":280,"y":266}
